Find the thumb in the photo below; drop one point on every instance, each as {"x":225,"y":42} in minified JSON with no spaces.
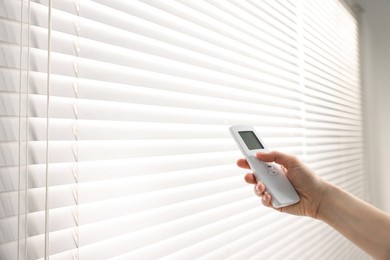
{"x":278,"y":157}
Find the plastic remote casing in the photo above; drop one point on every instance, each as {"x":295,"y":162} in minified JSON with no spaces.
{"x":271,"y":174}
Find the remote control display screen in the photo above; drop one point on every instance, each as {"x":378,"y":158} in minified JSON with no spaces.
{"x":251,"y":140}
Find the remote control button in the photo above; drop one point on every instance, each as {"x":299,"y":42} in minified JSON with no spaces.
{"x":271,"y":169}
{"x":272,"y":172}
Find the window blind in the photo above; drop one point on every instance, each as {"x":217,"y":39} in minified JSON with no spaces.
{"x":115,"y":116}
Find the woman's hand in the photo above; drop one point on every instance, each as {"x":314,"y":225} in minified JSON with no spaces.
{"x":309,"y":187}
{"x":363,"y":224}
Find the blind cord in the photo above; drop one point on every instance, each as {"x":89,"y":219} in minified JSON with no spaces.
{"x":47,"y":135}
{"x":76,"y":234}
{"x":19,"y":133}
{"x":27,"y":127}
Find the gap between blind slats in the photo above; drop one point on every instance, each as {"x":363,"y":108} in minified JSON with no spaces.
{"x":199,"y":248}
{"x":317,"y":165}
{"x":63,"y":151}
{"x":328,"y":52}
{"x":317,"y":59}
{"x":326,"y":108}
{"x":142,"y":60}
{"x":348,"y":85}
{"x":334,"y":133}
{"x":246,"y":248}
{"x":316,"y":124}
{"x":63,"y":86}
{"x":124,"y":96}
{"x":317,"y":84}
{"x":169,"y":232}
{"x":314,"y":54}
{"x":64,"y":65}
{"x":333,"y":119}
{"x":126,"y":216}
{"x":325,"y":27}
{"x":279,"y":21}
{"x":333,"y":14}
{"x":70,"y":21}
{"x":158,"y":198}
{"x":349,"y":174}
{"x":108,"y":150}
{"x":220,"y":15}
{"x":212,"y":52}
{"x":314,"y":49}
{"x":348,"y":168}
{"x":334,"y":112}
{"x":102,"y":171}
{"x":148,"y":11}
{"x":70,"y":45}
{"x":343,"y":84}
{"x":221,"y":36}
{"x":113,"y":169}
{"x":271,"y":246}
{"x":313,"y":95}
{"x":284,"y":12}
{"x":254,"y":241}
{"x":325,"y":167}
{"x":12,"y":10}
{"x":98,"y":110}
{"x":217,"y":215}
{"x":67,"y":43}
{"x":326,"y":151}
{"x":91,"y":12}
{"x":342,"y":87}
{"x":62,"y":129}
{"x":10,"y":80}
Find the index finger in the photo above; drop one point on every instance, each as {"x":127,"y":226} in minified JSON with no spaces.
{"x":243,"y":164}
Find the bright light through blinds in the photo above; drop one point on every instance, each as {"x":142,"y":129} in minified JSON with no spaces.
{"x":141,"y":165}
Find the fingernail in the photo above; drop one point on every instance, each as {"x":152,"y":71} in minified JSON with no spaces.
{"x":257,"y":187}
{"x":261,"y":186}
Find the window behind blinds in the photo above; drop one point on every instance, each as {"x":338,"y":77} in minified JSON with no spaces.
{"x":115,"y":116}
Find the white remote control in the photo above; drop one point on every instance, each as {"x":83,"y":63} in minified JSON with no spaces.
{"x":271,"y":174}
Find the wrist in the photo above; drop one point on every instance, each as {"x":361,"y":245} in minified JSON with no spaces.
{"x":325,"y":200}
